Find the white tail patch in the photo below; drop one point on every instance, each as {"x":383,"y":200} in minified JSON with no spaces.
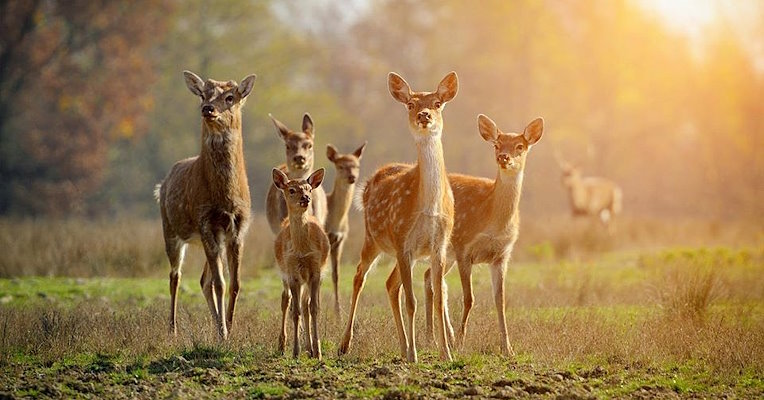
{"x":360,"y":187}
{"x":157,"y":191}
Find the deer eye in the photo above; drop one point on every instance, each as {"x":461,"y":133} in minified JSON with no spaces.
{"x":229,"y":99}
{"x":291,"y":191}
{"x":410,"y":105}
{"x":438,"y":104}
{"x":307,"y":146}
{"x":520,"y":147}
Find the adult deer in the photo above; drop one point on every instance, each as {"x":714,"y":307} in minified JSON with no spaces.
{"x":301,"y":250}
{"x":299,"y":164}
{"x":592,"y":196}
{"x":207,"y":198}
{"x":487,"y":220}
{"x":409,"y":213}
{"x":347,"y":167}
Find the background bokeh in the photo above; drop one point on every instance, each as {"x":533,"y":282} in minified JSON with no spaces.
{"x":664,"y":97}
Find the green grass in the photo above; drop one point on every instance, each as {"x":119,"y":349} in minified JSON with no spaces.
{"x":593,"y":328}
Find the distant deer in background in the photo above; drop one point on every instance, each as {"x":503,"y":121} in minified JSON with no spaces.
{"x":299,"y":164}
{"x":409,"y":212}
{"x":347,"y":167}
{"x":590,"y":195}
{"x":301,"y":250}
{"x":207,"y":198}
{"x":487,"y":220}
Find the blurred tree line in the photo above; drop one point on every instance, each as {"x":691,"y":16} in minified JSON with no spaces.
{"x":93,"y":109}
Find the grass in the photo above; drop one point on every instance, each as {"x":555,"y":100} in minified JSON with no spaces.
{"x":643,"y":321}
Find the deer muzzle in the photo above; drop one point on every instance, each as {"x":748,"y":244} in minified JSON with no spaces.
{"x":304,"y":201}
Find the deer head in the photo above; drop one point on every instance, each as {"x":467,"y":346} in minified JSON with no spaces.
{"x":220,"y":101}
{"x":425,"y":108}
{"x":297,"y":193}
{"x":299,"y":145}
{"x":348,"y":165}
{"x":510,"y":149}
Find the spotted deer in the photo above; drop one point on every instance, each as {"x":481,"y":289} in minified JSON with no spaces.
{"x":207,"y":198}
{"x":299,"y":164}
{"x":301,"y":250}
{"x":487,"y":220}
{"x":347,"y":167}
{"x":590,"y":196}
{"x":409,"y":213}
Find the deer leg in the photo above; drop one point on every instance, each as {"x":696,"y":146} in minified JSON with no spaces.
{"x":315,"y":293}
{"x":436,"y":277}
{"x":404,"y":269}
{"x":338,"y":241}
{"x":497,"y":278}
{"x":175,"y":251}
{"x":286,"y":297}
{"x":305,"y":301}
{"x":369,"y":254}
{"x":206,"y":283}
{"x":428,"y":307}
{"x":234,"y":266}
{"x":393,"y":286}
{"x":294,"y":287}
{"x":465,"y":274}
{"x":213,"y":251}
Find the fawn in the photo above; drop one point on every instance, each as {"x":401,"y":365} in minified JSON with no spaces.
{"x":409,"y":212}
{"x":339,"y":200}
{"x":207,"y":198}
{"x":299,"y":164}
{"x":590,"y":195}
{"x":301,"y":250}
{"x":487,"y":220}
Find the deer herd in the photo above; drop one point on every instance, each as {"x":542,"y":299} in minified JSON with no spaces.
{"x":411,"y":212}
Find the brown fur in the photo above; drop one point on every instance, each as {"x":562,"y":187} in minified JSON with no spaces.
{"x":347,"y":167}
{"x":591,"y":196}
{"x":207,"y":196}
{"x":299,"y":164}
{"x":409,"y":212}
{"x":487,"y":220}
{"x":301,"y":250}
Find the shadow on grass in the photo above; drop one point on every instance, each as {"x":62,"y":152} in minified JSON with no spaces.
{"x":198,"y":356}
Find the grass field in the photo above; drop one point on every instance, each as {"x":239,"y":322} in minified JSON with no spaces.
{"x":590,"y":316}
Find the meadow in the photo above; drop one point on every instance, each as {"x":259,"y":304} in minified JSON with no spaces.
{"x":656,"y":310}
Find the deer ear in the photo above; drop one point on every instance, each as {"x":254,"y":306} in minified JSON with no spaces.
{"x":307,"y":125}
{"x":246,"y":85}
{"x":359,"y":151}
{"x":399,"y":88}
{"x":331,"y":152}
{"x":487,"y":128}
{"x":534,"y":130}
{"x":316,"y":178}
{"x":448,"y":87}
{"x":194,"y":82}
{"x":283,"y":130}
{"x":280,"y":179}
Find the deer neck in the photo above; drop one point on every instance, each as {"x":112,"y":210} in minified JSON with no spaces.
{"x":298,"y":230}
{"x":222,"y":155}
{"x":506,"y":197}
{"x":339,"y":203}
{"x":433,"y":183}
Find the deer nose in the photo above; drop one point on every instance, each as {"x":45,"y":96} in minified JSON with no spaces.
{"x":503,"y":158}
{"x":424,"y":116}
{"x":207,"y":110}
{"x":299,"y":159}
{"x":352,"y":179}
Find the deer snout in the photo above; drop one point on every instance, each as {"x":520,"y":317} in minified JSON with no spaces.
{"x":352,"y":179}
{"x":503,"y":159}
{"x":424,"y":117}
{"x":208,"y":110}
{"x":304,"y":200}
{"x":299,"y":160}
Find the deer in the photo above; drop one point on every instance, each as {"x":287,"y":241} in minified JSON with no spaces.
{"x":299,"y":164}
{"x":301,"y":250}
{"x":590,"y":196}
{"x":409,"y":213}
{"x":347,"y":167}
{"x":487,"y":222}
{"x":206,"y":198}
